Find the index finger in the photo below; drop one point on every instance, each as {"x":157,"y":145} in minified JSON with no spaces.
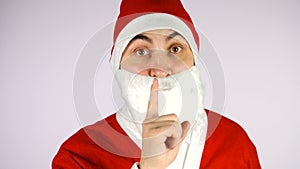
{"x":152,"y":111}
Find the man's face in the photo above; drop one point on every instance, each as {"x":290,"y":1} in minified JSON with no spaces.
{"x":161,"y":56}
{"x":157,"y":53}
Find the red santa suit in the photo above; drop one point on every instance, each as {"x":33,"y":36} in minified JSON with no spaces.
{"x":227,"y":147}
{"x":108,"y":144}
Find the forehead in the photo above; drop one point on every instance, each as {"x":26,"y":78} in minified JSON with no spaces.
{"x":159,"y":35}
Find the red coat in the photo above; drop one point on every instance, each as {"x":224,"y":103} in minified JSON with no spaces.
{"x":227,"y":147}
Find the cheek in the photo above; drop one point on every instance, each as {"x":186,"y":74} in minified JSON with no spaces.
{"x":188,"y":59}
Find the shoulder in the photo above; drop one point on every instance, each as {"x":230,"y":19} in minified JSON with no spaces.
{"x":222,"y":126}
{"x":86,"y":134}
{"x":104,"y":138}
{"x":228,"y":143}
{"x":106,"y":133}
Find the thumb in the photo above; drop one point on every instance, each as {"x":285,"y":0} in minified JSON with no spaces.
{"x":185,"y":128}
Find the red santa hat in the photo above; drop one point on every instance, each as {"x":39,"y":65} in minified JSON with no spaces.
{"x":138,"y":16}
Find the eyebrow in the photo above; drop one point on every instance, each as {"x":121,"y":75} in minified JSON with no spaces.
{"x":173,"y":35}
{"x":146,"y":38}
{"x":142,"y":37}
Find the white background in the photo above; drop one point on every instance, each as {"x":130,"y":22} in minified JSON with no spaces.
{"x":257,"y":43}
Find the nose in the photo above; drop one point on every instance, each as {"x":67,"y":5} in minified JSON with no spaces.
{"x":154,"y":72}
{"x":159,"y":64}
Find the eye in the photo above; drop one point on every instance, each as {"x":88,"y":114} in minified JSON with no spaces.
{"x":142,"y":52}
{"x":176,"y":49}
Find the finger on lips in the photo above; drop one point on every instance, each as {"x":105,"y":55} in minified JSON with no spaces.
{"x":167,"y":126}
{"x":152,"y":112}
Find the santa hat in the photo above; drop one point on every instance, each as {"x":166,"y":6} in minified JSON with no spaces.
{"x":138,"y":16}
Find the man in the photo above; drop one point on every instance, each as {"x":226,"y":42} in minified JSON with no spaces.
{"x":163,"y":123}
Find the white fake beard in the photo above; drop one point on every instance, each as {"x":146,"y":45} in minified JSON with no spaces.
{"x":180,"y":93}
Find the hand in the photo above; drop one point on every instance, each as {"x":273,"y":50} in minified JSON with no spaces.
{"x":162,"y":135}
